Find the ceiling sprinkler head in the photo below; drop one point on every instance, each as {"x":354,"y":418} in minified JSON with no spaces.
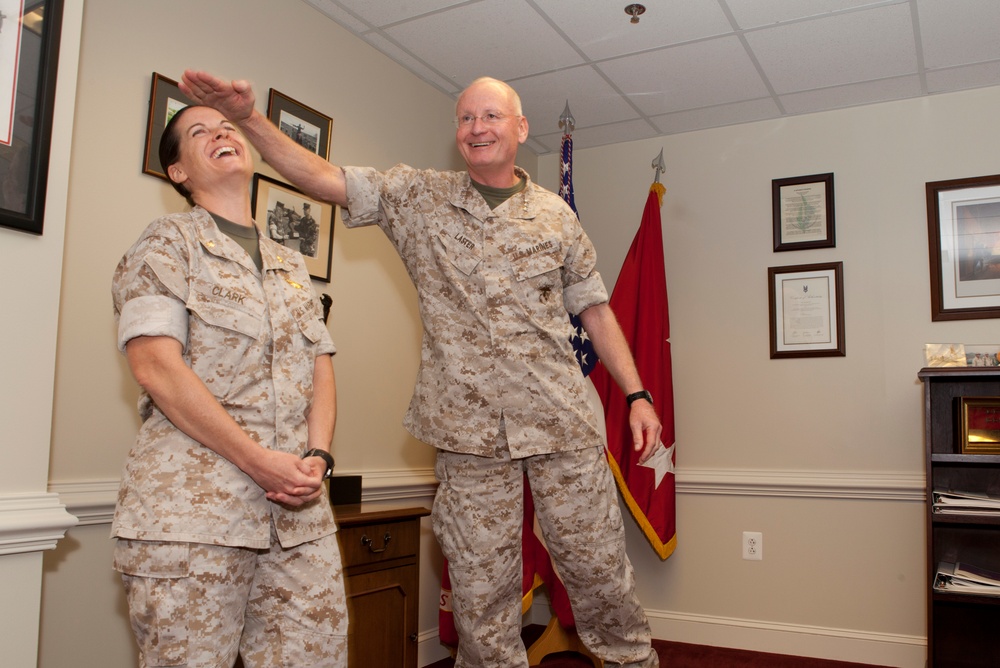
{"x":634,"y":10}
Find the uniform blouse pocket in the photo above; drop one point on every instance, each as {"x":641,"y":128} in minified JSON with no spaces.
{"x":461,"y":251}
{"x":536,"y":264}
{"x":227,"y":308}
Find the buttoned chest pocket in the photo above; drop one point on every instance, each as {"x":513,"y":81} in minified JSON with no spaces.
{"x":300,"y":305}
{"x":538,"y":280}
{"x":460,"y":251}
{"x":226,"y":307}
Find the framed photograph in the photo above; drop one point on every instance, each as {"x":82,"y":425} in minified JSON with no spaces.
{"x":802,"y":212}
{"x":807,"y":310}
{"x":29,"y":57}
{"x":963,"y":225}
{"x":979,"y":423}
{"x":307,"y":127}
{"x":165,"y":100}
{"x":296,"y":221}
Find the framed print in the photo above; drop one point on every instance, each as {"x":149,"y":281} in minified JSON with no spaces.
{"x":963,"y":225}
{"x":979,"y":425}
{"x":807,"y":310}
{"x":802,"y":212}
{"x":165,"y":100}
{"x":29,"y":57}
{"x":296,"y":221}
{"x":307,"y":127}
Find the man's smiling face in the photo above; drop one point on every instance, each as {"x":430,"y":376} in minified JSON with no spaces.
{"x":490,"y":149}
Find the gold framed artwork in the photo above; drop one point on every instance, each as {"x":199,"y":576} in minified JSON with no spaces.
{"x":979,"y":425}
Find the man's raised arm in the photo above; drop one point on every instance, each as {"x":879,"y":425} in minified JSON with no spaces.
{"x":235,"y":100}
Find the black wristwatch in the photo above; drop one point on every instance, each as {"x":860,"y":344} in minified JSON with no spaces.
{"x":642,"y":394}
{"x":325,"y":456}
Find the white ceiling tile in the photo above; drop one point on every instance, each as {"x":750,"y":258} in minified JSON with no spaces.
{"x":962,"y":37}
{"x":602,"y":29}
{"x":852,"y":95}
{"x":468,"y":44}
{"x":962,"y":78}
{"x":687,"y":64}
{"x":592,"y":101}
{"x":605,"y":134}
{"x":714,"y":117}
{"x":757,"y":13}
{"x":701,"y":74}
{"x":846,"y":48}
{"x":385,"y":13}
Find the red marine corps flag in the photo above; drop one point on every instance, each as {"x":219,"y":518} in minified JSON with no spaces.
{"x":639,"y":301}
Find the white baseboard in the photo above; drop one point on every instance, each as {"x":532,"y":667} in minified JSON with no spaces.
{"x":879,"y":649}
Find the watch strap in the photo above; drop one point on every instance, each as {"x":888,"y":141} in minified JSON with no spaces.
{"x":325,"y":456}
{"x":641,"y":394}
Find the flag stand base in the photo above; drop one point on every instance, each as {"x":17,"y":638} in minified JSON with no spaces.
{"x":557,"y":639}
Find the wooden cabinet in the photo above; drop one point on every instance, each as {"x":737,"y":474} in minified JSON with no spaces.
{"x":961,"y":628}
{"x":381,"y":553}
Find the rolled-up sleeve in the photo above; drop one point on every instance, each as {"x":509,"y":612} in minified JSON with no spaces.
{"x":588,"y":292}
{"x":363,"y":196}
{"x":153,"y":315}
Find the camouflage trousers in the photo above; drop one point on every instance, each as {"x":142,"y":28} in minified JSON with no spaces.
{"x":478,"y":520}
{"x":198,"y":605}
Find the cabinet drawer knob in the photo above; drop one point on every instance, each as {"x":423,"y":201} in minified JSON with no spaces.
{"x":367,"y":542}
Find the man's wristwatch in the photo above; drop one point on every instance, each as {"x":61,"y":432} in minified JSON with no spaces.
{"x":642,"y":394}
{"x":325,"y":456}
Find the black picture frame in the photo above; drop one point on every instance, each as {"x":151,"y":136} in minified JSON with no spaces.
{"x":806,"y":304}
{"x":963,"y":218}
{"x":165,"y":99}
{"x":26,"y":124}
{"x":306,"y":126}
{"x":802,"y":212}
{"x":317,"y":250}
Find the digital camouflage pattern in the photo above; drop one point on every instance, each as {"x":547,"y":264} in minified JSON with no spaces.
{"x":499,"y":393}
{"x":252,"y":338}
{"x":494,"y":288}
{"x":477,"y":519}
{"x":186,"y":602}
{"x":215,"y":567}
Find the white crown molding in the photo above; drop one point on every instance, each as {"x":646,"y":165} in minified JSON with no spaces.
{"x":898,"y":486}
{"x":31,"y":522}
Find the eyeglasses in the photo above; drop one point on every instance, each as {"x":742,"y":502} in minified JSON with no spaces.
{"x":489,"y":118}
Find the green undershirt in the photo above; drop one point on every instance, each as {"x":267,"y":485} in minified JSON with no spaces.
{"x":243,"y":235}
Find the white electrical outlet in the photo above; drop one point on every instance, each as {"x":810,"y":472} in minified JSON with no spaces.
{"x":753,"y":545}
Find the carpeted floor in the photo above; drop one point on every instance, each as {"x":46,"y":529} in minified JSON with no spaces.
{"x":684,"y":655}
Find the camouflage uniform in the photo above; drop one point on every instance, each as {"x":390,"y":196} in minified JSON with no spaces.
{"x":185,"y":516}
{"x":499,"y":393}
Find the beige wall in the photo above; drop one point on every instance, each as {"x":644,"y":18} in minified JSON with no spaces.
{"x":823,"y":456}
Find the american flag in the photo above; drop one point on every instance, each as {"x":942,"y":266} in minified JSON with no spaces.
{"x":582,"y":346}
